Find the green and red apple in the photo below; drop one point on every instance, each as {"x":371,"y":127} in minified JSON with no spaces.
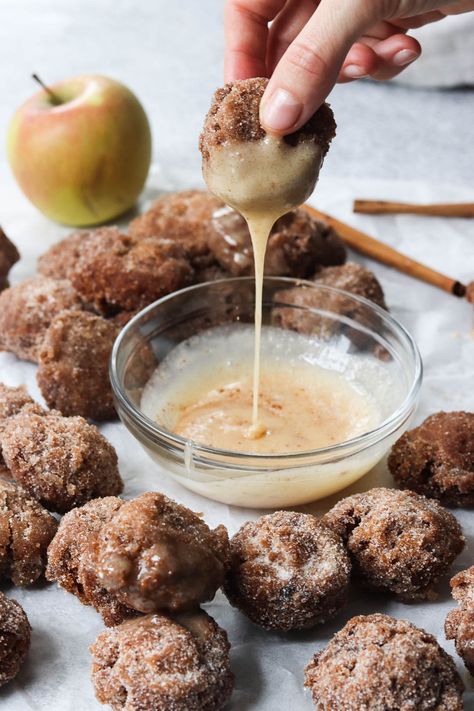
{"x":81,"y":149}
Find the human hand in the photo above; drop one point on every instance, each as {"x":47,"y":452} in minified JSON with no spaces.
{"x":310,"y":45}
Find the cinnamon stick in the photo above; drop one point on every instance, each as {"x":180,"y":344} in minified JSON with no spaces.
{"x":383,"y":207}
{"x":381,"y":252}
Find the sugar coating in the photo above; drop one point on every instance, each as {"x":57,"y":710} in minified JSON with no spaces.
{"x":59,"y":261}
{"x":155,"y":663}
{"x":26,"y":311}
{"x":399,"y":541}
{"x":9,"y":255}
{"x":61,"y":461}
{"x":155,"y":554}
{"x":69,"y":560}
{"x":234,"y":116}
{"x":376,"y":663}
{"x":116,"y":272}
{"x":352,"y":278}
{"x":12,"y":401}
{"x":459,"y":623}
{"x":26,"y":529}
{"x":183,"y":217}
{"x":73,"y":373}
{"x":297,"y":244}
{"x":437,"y":458}
{"x":288,"y":571}
{"x":15,"y":634}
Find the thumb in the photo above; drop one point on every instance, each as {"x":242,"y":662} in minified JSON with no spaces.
{"x":308,"y":70}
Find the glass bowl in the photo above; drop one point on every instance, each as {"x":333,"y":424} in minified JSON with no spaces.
{"x":348,"y":334}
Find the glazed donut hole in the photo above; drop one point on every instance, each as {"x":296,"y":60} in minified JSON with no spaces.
{"x":154,"y":554}
{"x":234,"y":116}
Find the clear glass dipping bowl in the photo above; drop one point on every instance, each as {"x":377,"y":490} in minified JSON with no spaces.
{"x":348,"y":331}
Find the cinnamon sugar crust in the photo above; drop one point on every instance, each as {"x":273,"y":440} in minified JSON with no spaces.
{"x":459,"y":623}
{"x":117,"y":272}
{"x":60,"y":260}
{"x":399,"y":541}
{"x":437,"y":458}
{"x":26,"y":311}
{"x":298,"y":244}
{"x":73,"y":373}
{"x":157,"y":663}
{"x":60,"y":461}
{"x":378,"y":663}
{"x":15,"y":635}
{"x":26,"y":529}
{"x":9,"y":255}
{"x":12,"y":401}
{"x":234,"y":116}
{"x":288,"y":571}
{"x":183,"y":217}
{"x":69,"y":559}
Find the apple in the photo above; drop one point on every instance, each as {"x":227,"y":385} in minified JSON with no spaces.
{"x":81,"y":149}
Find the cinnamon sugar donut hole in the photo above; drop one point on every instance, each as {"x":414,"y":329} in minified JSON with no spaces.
{"x":459,"y":623}
{"x":117,"y":272}
{"x":15,"y":635}
{"x":73,"y":373}
{"x":60,"y":461}
{"x":69,"y":558}
{"x":157,"y":663}
{"x":377,"y":663}
{"x":287,"y":571}
{"x":234,"y":116}
{"x":154,"y":554}
{"x":399,"y":541}
{"x":437,"y":458}
{"x":9,"y":255}
{"x":12,"y":401}
{"x":59,"y":261}
{"x":26,"y":311}
{"x":183,"y":217}
{"x":297,"y":245}
{"x":26,"y":530}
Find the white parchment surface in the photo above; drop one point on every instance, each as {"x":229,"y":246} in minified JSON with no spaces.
{"x":268,"y":666}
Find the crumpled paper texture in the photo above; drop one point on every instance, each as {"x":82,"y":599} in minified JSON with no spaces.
{"x":268,"y":666}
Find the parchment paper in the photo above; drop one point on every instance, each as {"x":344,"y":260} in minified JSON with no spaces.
{"x":268,"y":666}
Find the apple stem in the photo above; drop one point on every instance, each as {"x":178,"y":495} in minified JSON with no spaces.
{"x":54,"y":97}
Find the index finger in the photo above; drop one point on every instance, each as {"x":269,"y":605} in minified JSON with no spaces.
{"x":246,"y":34}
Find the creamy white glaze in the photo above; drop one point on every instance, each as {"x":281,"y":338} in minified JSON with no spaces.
{"x":262,"y":180}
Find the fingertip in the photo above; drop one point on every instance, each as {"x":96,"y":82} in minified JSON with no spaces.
{"x":280,"y":111}
{"x":361,"y":62}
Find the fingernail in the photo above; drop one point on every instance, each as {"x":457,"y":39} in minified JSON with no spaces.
{"x":280,"y":111}
{"x":404,"y":56}
{"x":354,"y":72}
